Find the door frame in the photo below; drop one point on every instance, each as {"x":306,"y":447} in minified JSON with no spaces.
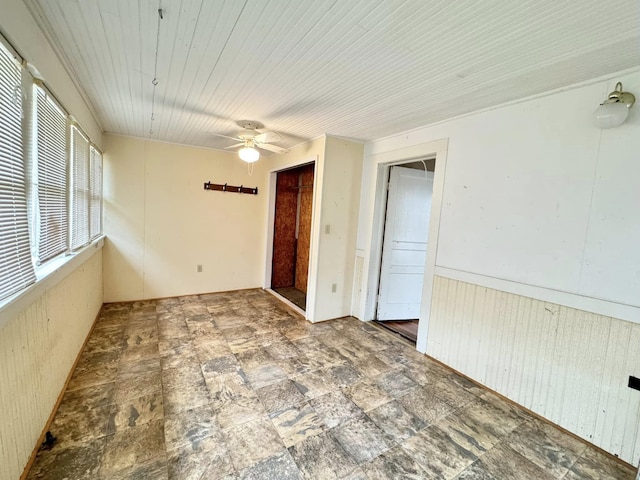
{"x":382,"y":163}
{"x":315,"y":228}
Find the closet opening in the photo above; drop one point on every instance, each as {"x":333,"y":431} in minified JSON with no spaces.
{"x":292,"y":233}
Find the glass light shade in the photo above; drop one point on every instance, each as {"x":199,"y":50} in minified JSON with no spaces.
{"x":609,"y":115}
{"x":249,"y":154}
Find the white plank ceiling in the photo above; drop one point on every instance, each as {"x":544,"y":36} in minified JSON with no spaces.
{"x":361,"y":69}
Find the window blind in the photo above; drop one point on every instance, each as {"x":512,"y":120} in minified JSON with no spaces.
{"x":16,"y":267}
{"x":51,"y":124}
{"x":95,"y":190}
{"x":79,"y":189}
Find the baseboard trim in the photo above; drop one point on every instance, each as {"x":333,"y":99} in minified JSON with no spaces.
{"x":41,"y":438}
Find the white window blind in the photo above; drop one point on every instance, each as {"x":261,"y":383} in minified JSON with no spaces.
{"x":16,"y":268}
{"x":95,"y":190}
{"x":51,"y":178}
{"x":79,"y":189}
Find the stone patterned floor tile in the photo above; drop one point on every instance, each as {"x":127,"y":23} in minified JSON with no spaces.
{"x":133,"y":446}
{"x":503,"y":462}
{"x":367,"y":395}
{"x":252,"y":442}
{"x":466,"y":433}
{"x":130,"y":386}
{"x":278,"y":467}
{"x":154,"y":470}
{"x":362,"y":439}
{"x":207,"y":458}
{"x":370,"y":366}
{"x":593,"y":464}
{"x":396,"y":421}
{"x":265,"y":375}
{"x":334,"y":408}
{"x":240,"y":410}
{"x":279,"y":396}
{"x":134,"y":412}
{"x":425,"y":405}
{"x":84,"y":399}
{"x":314,"y":384}
{"x":77,"y":428}
{"x":344,"y":374}
{"x":177,"y":389}
{"x":396,"y":384}
{"x":438,"y":454}
{"x":475,"y":471}
{"x":451,"y":392}
{"x":296,"y":423}
{"x":81,"y":462}
{"x":189,"y":427}
{"x":395,"y":463}
{"x":547,"y":447}
{"x":322,"y":458}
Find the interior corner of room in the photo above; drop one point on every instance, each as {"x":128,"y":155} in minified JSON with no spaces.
{"x":501,"y":240}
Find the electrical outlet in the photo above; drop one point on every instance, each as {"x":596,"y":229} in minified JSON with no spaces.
{"x":327,"y":229}
{"x":199,"y":268}
{"x":634,"y":382}
{"x":334,"y":287}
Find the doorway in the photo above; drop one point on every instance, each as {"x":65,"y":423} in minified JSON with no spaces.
{"x":292,"y":233}
{"x":404,"y":247}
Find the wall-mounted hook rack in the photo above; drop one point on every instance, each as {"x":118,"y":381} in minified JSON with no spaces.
{"x":230,"y":188}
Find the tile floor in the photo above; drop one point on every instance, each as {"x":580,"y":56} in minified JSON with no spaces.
{"x":235,"y":386}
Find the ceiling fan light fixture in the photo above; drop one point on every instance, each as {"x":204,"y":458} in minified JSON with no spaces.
{"x":249,"y":154}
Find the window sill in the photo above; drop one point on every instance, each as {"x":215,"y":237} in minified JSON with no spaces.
{"x":47,"y":277}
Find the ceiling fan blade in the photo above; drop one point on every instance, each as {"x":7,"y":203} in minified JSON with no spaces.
{"x":227,"y":136}
{"x":272,"y":148}
{"x":235,"y":146}
{"x":267,"y":137}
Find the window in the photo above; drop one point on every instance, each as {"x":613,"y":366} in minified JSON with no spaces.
{"x":95,"y":190}
{"x":79,"y":189}
{"x":16,"y":267}
{"x":50,"y":177}
{"x":50,"y":194}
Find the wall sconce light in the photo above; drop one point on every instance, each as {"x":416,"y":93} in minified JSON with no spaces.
{"x":249,"y":154}
{"x":615,"y":109}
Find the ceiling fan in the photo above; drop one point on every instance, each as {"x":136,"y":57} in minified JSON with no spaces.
{"x":251,"y":138}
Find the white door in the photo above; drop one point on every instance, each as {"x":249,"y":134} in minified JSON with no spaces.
{"x":404,"y":248}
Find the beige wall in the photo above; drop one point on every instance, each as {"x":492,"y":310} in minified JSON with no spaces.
{"x":38,"y":346}
{"x":161,"y":223}
{"x":342,"y":175}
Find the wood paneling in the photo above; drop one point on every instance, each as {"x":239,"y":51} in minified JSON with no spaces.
{"x":360,"y":69}
{"x":567,"y":365}
{"x":305,"y":199}
{"x":37,"y":350}
{"x":284,"y":230}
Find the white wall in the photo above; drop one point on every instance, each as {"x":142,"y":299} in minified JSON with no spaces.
{"x":537,"y":202}
{"x":536,"y":195}
{"x":161,"y":223}
{"x":38,"y":346}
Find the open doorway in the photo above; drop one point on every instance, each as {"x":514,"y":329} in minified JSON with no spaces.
{"x":404,"y":247}
{"x":292,"y":233}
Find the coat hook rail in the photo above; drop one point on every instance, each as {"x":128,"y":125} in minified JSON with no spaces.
{"x":230,"y":188}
